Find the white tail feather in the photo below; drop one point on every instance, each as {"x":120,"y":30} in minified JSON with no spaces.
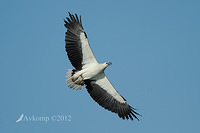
{"x":72,"y":84}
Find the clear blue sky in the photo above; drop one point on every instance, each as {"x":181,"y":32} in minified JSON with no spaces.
{"x":154,"y":47}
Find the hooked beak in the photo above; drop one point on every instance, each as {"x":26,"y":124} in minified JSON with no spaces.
{"x":109,"y":63}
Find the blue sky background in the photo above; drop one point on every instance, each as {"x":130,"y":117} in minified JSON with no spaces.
{"x":154,"y":47}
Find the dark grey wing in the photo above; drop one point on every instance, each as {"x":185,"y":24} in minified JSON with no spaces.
{"x":76,"y":43}
{"x":106,"y":96}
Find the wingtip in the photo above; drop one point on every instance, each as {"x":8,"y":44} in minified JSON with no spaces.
{"x":74,"y":18}
{"x":81,"y":21}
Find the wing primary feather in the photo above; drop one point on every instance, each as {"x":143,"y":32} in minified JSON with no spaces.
{"x":135,"y":111}
{"x":70,"y":15}
{"x":134,"y":115}
{"x":119,"y":111}
{"x":77,"y":18}
{"x":130,"y":116}
{"x":69,"y":21}
{"x":80,"y":21}
{"x":73,"y":18}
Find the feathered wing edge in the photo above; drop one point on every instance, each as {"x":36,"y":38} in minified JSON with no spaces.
{"x":108,"y":102}
{"x":72,"y":40}
{"x":77,"y":45}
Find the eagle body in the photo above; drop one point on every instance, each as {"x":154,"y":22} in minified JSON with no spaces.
{"x":89,"y":72}
{"x":93,"y":70}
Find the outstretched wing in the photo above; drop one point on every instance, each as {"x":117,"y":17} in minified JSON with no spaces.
{"x":102,"y":91}
{"x":77,"y":45}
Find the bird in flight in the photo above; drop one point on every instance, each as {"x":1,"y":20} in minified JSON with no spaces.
{"x":89,"y":72}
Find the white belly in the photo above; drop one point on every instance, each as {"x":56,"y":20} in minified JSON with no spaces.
{"x":90,"y":71}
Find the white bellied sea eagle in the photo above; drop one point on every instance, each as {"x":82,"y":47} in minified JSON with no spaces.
{"x":88,"y":71}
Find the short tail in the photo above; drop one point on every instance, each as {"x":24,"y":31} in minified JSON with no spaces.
{"x":74,"y":81}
